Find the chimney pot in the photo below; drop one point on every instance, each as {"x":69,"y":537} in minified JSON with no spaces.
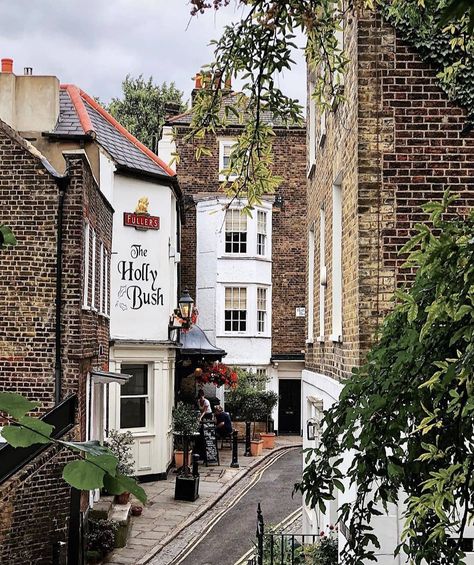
{"x":28,"y":71}
{"x":7,"y":65}
{"x":198,"y":81}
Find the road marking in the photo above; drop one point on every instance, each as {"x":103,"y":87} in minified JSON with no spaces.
{"x":255,"y":479}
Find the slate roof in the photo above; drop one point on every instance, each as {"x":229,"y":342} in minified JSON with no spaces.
{"x":266,"y":116}
{"x":81,"y":115}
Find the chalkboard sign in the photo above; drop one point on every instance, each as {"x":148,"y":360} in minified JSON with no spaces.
{"x":211,"y":453}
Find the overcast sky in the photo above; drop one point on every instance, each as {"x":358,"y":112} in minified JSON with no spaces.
{"x":95,"y":43}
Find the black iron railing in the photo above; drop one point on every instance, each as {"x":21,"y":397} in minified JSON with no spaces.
{"x":277,"y":548}
{"x":62,"y":417}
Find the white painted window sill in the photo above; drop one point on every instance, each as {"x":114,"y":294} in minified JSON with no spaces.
{"x":309,"y":341}
{"x":311,"y":169}
{"x":335,"y":338}
{"x":320,"y":339}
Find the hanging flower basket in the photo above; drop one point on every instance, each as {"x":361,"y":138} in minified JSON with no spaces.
{"x":217,"y":374}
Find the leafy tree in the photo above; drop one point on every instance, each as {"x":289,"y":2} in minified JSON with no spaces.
{"x":97,"y":467}
{"x":406,"y":416}
{"x":141,"y":109}
{"x":261,"y":45}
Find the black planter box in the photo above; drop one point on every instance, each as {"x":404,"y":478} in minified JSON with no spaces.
{"x":186,"y":488}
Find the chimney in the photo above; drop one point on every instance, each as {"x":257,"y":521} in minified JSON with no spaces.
{"x":7,"y":65}
{"x":203,"y":80}
{"x":172,"y":109}
{"x":28,"y":103}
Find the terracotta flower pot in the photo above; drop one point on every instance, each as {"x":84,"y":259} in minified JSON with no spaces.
{"x":268,"y":440}
{"x":122,"y":498}
{"x":137,"y":510}
{"x":256,"y":447}
{"x":179,"y":458}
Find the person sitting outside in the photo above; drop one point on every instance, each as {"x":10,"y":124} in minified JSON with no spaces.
{"x":223,"y":422}
{"x":204,"y":406}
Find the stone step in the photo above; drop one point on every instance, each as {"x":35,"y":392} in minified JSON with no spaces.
{"x":102,"y":508}
{"x":120,"y":513}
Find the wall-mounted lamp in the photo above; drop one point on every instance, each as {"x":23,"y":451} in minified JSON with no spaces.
{"x":312,"y":429}
{"x":278,"y":202}
{"x":181,"y":319}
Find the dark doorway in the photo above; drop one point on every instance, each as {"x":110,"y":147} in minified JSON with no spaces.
{"x":289,"y":408}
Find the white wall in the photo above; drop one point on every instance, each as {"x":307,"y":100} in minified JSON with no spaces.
{"x":215,"y":270}
{"x":143,"y":275}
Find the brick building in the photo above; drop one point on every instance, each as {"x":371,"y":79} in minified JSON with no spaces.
{"x":143,"y":260}
{"x":48,"y":344}
{"x":247,"y":273}
{"x":395,"y":143}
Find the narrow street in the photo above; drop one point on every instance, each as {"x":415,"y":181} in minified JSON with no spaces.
{"x":223,"y":535}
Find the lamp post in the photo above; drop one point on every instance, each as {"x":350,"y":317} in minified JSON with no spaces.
{"x":181,"y":318}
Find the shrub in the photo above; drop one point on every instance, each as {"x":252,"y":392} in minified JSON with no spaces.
{"x":101,"y":536}
{"x":120,"y":444}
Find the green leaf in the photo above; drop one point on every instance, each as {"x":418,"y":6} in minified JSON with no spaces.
{"x":90,"y":447}
{"x":83,"y":474}
{"x":121,"y":483}
{"x":18,"y":436}
{"x":15,"y":404}
{"x":6,"y":236}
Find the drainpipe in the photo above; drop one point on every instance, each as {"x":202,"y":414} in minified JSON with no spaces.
{"x":63,"y":183}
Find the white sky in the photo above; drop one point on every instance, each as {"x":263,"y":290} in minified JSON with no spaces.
{"x":95,"y":43}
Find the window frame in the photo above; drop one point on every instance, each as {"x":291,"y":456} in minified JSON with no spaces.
{"x":232,"y":213}
{"x":224,"y":143}
{"x":148,"y":397}
{"x":226,"y":310}
{"x":337,"y":234}
{"x":262,"y":313}
{"x":261,"y":235}
{"x":86,"y":257}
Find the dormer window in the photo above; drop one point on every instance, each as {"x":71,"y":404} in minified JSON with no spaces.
{"x":225,"y":149}
{"x":235,"y":232}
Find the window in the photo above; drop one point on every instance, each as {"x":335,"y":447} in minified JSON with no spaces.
{"x":261,"y":309}
{"x":310,"y":318}
{"x":93,"y":277}
{"x":235,"y":312}
{"x":322,"y":270}
{"x":235,"y":232}
{"x":101,"y":278}
{"x":336,"y":262}
{"x":261,"y":232}
{"x":106,"y":282}
{"x":85,"y":282}
{"x":134,"y":397}
{"x":225,"y":149}
{"x":312,"y":127}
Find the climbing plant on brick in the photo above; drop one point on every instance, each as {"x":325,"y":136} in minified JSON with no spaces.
{"x":406,"y":416}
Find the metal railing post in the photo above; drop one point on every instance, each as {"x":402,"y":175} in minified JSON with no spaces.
{"x":235,"y":453}
{"x":260,"y":533}
{"x":247,"y":440}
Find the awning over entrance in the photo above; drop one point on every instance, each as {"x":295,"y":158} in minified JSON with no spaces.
{"x":196,"y":343}
{"x":106,"y":377}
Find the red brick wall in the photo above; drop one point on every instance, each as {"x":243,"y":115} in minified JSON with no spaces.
{"x":288,"y":237}
{"x":397,"y":139}
{"x":35,"y":501}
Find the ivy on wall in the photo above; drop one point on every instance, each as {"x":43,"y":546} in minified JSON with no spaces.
{"x":448,"y":46}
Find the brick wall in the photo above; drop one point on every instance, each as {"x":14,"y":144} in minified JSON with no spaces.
{"x":36,"y":511}
{"x":406,"y":148}
{"x":289,"y":237}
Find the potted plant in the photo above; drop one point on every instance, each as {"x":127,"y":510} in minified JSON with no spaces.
{"x":185,"y":427}
{"x":100,"y":539}
{"x":120,"y":444}
{"x":252,"y":409}
{"x":269,"y":400}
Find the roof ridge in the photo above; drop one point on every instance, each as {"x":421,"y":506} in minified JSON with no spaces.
{"x":138,"y":144}
{"x":74,"y":93}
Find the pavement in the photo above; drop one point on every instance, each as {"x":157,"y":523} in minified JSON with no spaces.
{"x":163,"y":518}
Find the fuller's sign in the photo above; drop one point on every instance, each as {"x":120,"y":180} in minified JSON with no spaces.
{"x":141,"y":219}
